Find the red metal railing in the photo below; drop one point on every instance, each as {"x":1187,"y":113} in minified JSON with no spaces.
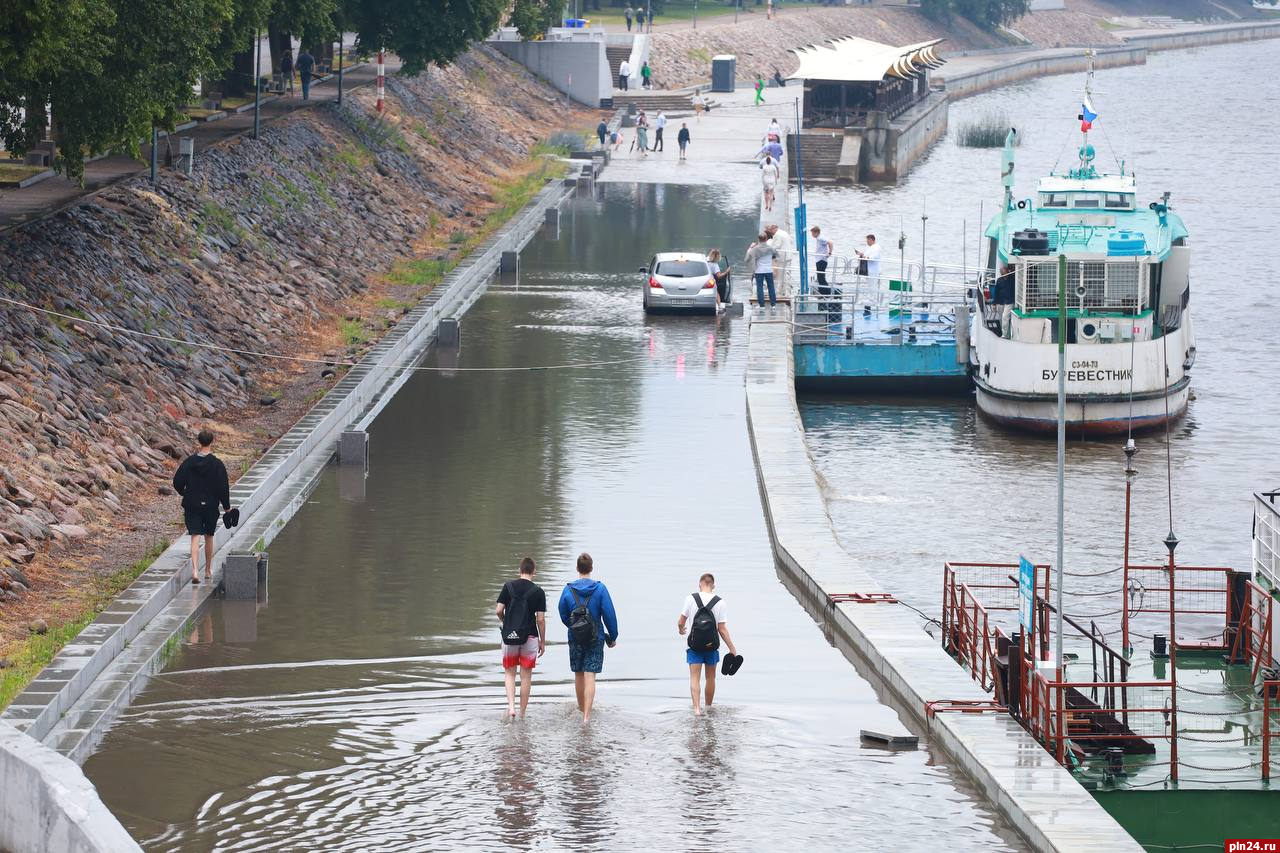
{"x":1253,"y":634}
{"x":1059,"y":713}
{"x":1270,"y":705}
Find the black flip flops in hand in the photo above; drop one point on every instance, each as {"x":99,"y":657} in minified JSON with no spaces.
{"x":731,"y":664}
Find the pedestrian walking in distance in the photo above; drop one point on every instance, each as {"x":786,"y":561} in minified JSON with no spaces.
{"x":759,"y":90}
{"x":642,"y":134}
{"x":306,"y":64}
{"x":202,"y":481}
{"x":602,"y":132}
{"x":682,"y":139}
{"x":286,"y":71}
{"x":587,"y":611}
{"x":629,"y":13}
{"x":640,"y":19}
{"x":704,"y":619}
{"x":624,"y":72}
{"x":760,"y":261}
{"x":699,"y":105}
{"x":522,"y":610}
{"x":769,"y":174}
{"x":646,"y":76}
{"x":659,"y":124}
{"x":823,"y":249}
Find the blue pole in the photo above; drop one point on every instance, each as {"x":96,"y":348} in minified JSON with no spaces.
{"x":802,"y":243}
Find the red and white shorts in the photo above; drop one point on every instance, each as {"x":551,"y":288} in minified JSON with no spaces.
{"x":525,"y":655}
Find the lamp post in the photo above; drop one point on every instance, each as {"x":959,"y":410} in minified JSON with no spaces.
{"x":257,"y":78}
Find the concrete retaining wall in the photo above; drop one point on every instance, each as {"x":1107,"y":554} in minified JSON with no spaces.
{"x":1023,"y":782}
{"x":1224,"y":34}
{"x":1039,"y":65}
{"x":914,"y":132}
{"x":577,"y":68}
{"x":48,"y":806}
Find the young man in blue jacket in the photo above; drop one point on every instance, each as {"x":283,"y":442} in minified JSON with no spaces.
{"x":589,"y":631}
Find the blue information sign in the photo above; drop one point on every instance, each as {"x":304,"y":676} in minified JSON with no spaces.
{"x":1026,"y":592}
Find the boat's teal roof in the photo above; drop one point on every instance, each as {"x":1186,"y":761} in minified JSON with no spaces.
{"x":1067,"y":235}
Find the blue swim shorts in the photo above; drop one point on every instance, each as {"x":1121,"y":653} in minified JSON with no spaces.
{"x":586,"y":658}
{"x":708,"y":658}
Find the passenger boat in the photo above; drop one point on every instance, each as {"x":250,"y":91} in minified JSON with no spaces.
{"x":1128,"y":334}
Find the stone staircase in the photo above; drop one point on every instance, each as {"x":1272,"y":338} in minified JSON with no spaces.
{"x":821,"y":152}
{"x":615,"y":55}
{"x":656,"y":100}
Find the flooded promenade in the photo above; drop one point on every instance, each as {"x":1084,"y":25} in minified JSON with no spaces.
{"x":365,"y":709}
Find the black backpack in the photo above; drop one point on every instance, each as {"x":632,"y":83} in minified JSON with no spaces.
{"x":582,"y":628}
{"x":515,"y":619}
{"x":703,"y":636}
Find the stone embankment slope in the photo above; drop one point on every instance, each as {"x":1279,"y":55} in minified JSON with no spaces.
{"x":274,"y":245}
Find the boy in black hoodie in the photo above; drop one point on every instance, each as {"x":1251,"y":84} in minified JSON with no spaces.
{"x":201,"y":479}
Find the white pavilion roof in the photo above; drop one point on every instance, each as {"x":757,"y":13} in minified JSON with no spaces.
{"x":859,"y":60}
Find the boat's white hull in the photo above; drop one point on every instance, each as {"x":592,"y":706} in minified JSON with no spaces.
{"x":1109,"y":386}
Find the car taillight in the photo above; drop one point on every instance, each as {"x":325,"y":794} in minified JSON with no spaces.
{"x":711,"y":282}
{"x":653,"y":282}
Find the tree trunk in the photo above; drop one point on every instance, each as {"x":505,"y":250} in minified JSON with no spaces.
{"x":239,"y":80}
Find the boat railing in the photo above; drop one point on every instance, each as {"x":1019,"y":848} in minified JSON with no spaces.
{"x":1266,"y":537}
{"x":1252,"y":628}
{"x":1270,"y":723}
{"x":1061,"y":713}
{"x":1202,"y":592}
{"x":882,"y":309}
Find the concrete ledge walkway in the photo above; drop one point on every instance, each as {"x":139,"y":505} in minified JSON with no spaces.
{"x":72,"y":701}
{"x":1038,"y":797}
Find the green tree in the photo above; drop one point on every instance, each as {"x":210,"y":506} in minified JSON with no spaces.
{"x":42,"y":42}
{"x":422,"y":32}
{"x":157,"y":51}
{"x":534,"y":17}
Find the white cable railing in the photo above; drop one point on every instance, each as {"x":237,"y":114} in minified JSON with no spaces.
{"x":1266,"y":537}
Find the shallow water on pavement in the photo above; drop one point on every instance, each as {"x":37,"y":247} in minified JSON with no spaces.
{"x":912,"y":483}
{"x":362,"y":709}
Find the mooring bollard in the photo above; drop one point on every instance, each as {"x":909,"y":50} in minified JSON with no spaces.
{"x":240,"y":576}
{"x":509,"y":263}
{"x":353,"y":448}
{"x":450,"y":333}
{"x":553,"y":216}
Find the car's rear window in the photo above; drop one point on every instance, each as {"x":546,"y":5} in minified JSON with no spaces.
{"x":682,"y":269}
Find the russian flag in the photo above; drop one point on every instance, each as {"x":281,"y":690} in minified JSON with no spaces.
{"x":1087,"y":116}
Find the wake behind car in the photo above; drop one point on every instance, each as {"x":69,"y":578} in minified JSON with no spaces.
{"x":681,"y":283}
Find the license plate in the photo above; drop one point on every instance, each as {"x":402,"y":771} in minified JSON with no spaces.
{"x":681,"y":301}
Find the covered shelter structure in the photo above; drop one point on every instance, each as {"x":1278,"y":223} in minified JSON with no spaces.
{"x":848,"y":78}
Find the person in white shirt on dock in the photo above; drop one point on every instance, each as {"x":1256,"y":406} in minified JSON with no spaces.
{"x":871,"y":258}
{"x":624,"y":72}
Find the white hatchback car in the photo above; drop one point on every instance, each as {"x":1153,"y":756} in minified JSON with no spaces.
{"x":681,"y":283}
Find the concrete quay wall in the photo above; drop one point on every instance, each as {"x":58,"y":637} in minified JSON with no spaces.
{"x":48,"y":806}
{"x":1023,"y":782}
{"x":1224,"y":34}
{"x":1039,"y":64}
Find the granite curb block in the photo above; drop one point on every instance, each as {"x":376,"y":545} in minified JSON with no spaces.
{"x":49,"y":806}
{"x":1038,"y":797}
{"x":131,"y":639}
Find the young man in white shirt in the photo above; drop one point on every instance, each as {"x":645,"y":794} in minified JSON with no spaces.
{"x":707,"y":654}
{"x":872,"y":257}
{"x":624,"y":72}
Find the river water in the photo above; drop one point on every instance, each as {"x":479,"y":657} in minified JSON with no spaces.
{"x":912,"y":483}
{"x":361,"y":707}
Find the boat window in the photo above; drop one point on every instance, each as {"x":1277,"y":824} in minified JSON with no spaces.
{"x":1053,"y":199}
{"x":1119,"y":201}
{"x":682,"y":269}
{"x":1086,"y":201}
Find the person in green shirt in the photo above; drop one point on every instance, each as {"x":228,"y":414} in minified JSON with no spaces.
{"x":759,"y":89}
{"x":646,"y":76}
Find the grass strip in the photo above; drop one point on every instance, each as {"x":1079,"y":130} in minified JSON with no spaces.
{"x":35,"y":653}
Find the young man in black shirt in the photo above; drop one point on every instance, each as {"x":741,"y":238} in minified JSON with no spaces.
{"x":201,"y":479}
{"x":522,"y":609}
